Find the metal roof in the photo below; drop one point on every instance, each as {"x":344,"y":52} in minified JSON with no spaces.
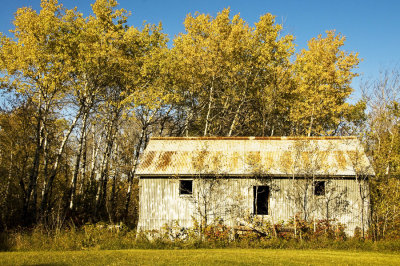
{"x":238,"y":156}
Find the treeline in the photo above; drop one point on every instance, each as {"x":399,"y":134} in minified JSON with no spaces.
{"x":84,"y":95}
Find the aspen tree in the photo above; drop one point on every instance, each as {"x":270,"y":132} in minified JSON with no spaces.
{"x":323,"y":76}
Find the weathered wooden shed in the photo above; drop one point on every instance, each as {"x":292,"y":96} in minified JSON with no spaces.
{"x":274,"y":178}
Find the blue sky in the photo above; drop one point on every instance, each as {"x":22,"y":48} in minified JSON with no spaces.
{"x":372,"y":28}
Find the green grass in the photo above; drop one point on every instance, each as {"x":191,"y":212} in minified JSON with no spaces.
{"x":200,"y":257}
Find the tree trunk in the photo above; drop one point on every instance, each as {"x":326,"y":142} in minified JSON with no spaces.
{"x":95,"y":151}
{"x":29,"y":211}
{"x":10,"y":169}
{"x":46,"y":169}
{"x":113,"y":197}
{"x":91,"y":187}
{"x":49,"y":186}
{"x":102,"y":188}
{"x":187,"y":120}
{"x":234,"y":121}
{"x":311,"y":122}
{"x":77,"y":163}
{"x":210,"y":100}
{"x":83,"y":168}
{"x":132,"y":172}
{"x":5,"y":209}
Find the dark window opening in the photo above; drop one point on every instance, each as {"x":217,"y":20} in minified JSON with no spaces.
{"x":319,"y":188}
{"x":261,"y":196}
{"x":186,"y":187}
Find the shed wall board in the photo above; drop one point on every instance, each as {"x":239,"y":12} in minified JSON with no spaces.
{"x":232,"y":199}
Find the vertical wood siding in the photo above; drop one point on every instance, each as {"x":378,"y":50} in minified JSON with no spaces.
{"x":232,"y":199}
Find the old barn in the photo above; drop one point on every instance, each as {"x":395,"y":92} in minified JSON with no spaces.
{"x":274,"y":178}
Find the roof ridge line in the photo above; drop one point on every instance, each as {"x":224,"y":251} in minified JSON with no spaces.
{"x":256,"y":138}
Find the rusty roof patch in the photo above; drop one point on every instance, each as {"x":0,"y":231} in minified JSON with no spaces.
{"x":305,"y":159}
{"x":148,"y":159}
{"x":235,"y":160}
{"x":322,"y":160}
{"x":340,"y":159}
{"x":269,"y":160}
{"x":253,"y":158}
{"x":165,"y":159}
{"x":286,"y":160}
{"x":198,"y":160}
{"x":216,"y":160}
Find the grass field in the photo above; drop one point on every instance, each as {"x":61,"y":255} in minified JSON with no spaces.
{"x":200,"y":257}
